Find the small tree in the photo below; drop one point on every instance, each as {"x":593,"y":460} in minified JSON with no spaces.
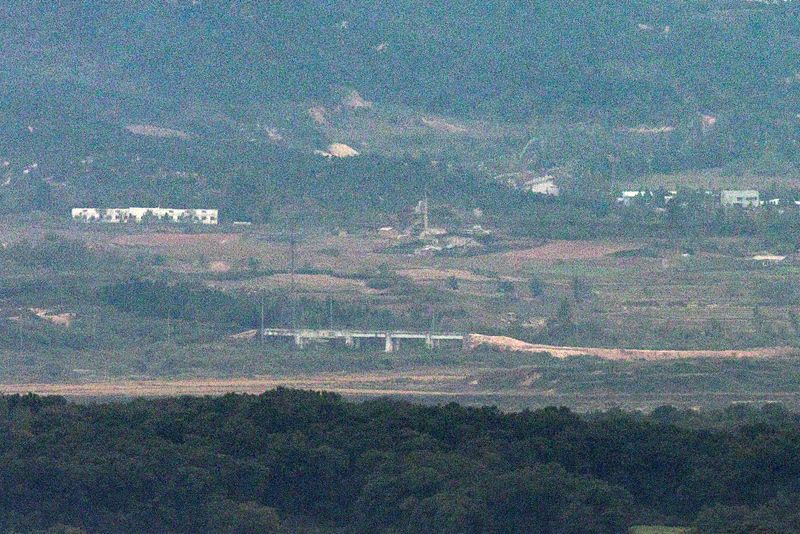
{"x":581,"y":289}
{"x":452,"y":283}
{"x":536,"y":286}
{"x":506,"y":287}
{"x":253,"y":263}
{"x":149,"y":217}
{"x":562,"y":324}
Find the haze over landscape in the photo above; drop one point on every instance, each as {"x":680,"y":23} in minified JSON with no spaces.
{"x":329,"y":266}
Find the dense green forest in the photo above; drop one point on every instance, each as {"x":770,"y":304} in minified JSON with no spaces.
{"x":291,"y":461}
{"x":640,"y":58}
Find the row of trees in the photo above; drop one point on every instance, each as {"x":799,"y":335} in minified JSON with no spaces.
{"x":149,"y":298}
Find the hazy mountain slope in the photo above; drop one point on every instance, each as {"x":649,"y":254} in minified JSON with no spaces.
{"x":509,"y":57}
{"x":468,"y":82}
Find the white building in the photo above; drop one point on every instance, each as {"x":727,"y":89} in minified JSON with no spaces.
{"x":747,"y":198}
{"x":543,"y":187}
{"x":138,"y":215}
{"x":628,"y":197}
{"x":86,"y":214}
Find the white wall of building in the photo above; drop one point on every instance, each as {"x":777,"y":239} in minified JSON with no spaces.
{"x":136,"y":214}
{"x":745,"y":198}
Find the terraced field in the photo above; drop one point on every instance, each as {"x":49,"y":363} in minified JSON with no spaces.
{"x":650,"y":295}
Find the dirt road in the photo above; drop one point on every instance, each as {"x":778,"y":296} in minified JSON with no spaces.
{"x":436,"y":386}
{"x":503,"y":343}
{"x":432,"y":383}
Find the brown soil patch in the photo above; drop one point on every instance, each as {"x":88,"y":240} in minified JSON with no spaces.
{"x":303,"y":282}
{"x":432,"y":275}
{"x":156,"y":131}
{"x":341,"y":150}
{"x":364,"y":384}
{"x":503,"y":343}
{"x":317,"y":113}
{"x":219,"y":267}
{"x":567,"y":250}
{"x":175,"y":239}
{"x":60,"y":319}
{"x":246,"y":335}
{"x":354,"y":100}
{"x":442,"y":125}
{"x":651,"y":130}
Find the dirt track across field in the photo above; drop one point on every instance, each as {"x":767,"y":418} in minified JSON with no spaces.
{"x":175,"y":239}
{"x":433,"y":387}
{"x":503,"y":343}
{"x":412,"y":383}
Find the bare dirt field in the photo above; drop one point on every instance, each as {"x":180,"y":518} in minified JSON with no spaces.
{"x":311,"y":283}
{"x":567,"y":250}
{"x":431,"y":275}
{"x":503,"y":343}
{"x":433,"y":382}
{"x":664,"y":298}
{"x":174,"y":239}
{"x":434,"y":386}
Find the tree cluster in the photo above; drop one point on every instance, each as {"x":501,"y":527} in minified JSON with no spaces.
{"x":301,"y":461}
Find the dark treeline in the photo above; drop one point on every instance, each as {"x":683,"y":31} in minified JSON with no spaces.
{"x":260,"y":183}
{"x":149,"y":298}
{"x":310,"y":462}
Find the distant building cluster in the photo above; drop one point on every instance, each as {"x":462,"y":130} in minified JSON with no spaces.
{"x":540,"y":185}
{"x":430,"y":240}
{"x":143,"y":215}
{"x":745,"y":198}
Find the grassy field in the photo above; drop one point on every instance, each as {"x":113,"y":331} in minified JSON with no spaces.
{"x":659,"y":530}
{"x":650,"y":295}
{"x":622,"y":294}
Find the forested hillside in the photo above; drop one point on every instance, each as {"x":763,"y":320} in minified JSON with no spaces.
{"x":643,"y":59}
{"x":229,"y":99}
{"x":289,"y":461}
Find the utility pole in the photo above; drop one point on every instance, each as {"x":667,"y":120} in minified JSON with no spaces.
{"x":292,"y":287}
{"x":169,"y":328}
{"x":261,"y":332}
{"x":425,"y":214}
{"x":95,"y":320}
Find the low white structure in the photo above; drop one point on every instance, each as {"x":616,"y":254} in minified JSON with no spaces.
{"x":629,"y":196}
{"x":774,"y":258}
{"x":86,"y":214}
{"x":138,"y":215}
{"x":546,"y":187}
{"x":388,"y":232}
{"x":747,"y":198}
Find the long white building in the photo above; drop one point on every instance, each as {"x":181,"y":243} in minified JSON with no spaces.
{"x":138,"y":215}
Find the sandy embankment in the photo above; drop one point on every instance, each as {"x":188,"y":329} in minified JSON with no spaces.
{"x":503,"y":343}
